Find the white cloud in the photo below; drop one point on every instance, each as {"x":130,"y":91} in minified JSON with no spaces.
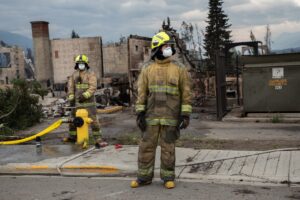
{"x":111,"y":19}
{"x":193,"y":15}
{"x":262,"y":5}
{"x":297,"y":2}
{"x":243,"y":33}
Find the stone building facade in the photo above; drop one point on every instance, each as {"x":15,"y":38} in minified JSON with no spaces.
{"x":122,"y":59}
{"x":14,"y":65}
{"x":42,"y":52}
{"x":64,"y":51}
{"x":115,"y":58}
{"x":54,"y":59}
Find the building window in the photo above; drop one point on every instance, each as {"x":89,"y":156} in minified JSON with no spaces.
{"x":136,"y":48}
{"x":146,"y":51}
{"x":56,"y":54}
{"x":6,"y":80}
{"x":18,"y":74}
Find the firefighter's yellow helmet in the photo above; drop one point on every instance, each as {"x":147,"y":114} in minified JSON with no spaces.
{"x":82,"y":59}
{"x":160,"y":39}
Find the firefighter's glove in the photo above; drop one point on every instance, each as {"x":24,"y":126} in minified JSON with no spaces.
{"x":184,"y":121}
{"x":141,"y":121}
{"x":71,"y":97}
{"x":81,"y":99}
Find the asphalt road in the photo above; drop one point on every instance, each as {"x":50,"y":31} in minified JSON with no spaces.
{"x":75,"y":188}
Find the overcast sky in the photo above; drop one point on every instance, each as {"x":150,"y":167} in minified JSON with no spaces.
{"x":113,"y":18}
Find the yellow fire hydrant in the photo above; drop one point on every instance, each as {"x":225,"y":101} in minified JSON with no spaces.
{"x":82,"y":122}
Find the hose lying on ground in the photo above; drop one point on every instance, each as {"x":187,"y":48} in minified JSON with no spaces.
{"x":73,"y":158}
{"x":234,"y":157}
{"x":50,"y":128}
{"x":240,"y":156}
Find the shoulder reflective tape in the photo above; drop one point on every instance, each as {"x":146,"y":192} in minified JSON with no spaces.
{"x":164,"y":88}
{"x":71,"y":97}
{"x":186,"y":108}
{"x":140,"y":108}
{"x":167,"y":122}
{"x":86,"y":95}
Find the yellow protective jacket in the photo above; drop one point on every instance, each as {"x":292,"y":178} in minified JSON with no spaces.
{"x":164,"y":92}
{"x":82,"y":83}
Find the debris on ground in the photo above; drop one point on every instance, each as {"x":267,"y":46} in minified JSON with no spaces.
{"x":53,"y":107}
{"x":110,"y":109}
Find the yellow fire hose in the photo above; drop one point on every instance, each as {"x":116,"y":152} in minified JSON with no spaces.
{"x":50,"y":128}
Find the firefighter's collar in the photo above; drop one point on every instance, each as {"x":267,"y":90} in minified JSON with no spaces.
{"x":164,"y":61}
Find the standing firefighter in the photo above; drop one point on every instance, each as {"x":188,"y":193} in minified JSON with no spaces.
{"x":163,"y":107}
{"x":81,"y":88}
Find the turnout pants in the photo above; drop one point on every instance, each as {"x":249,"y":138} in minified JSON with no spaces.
{"x":166,"y":136}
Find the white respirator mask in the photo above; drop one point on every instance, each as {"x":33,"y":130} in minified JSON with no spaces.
{"x":81,"y":66}
{"x":167,"y":52}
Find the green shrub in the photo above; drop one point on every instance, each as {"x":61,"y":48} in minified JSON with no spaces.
{"x":19,"y":109}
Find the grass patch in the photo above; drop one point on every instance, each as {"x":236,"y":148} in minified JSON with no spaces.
{"x":129,"y":139}
{"x":276,"y":119}
{"x":200,"y":143}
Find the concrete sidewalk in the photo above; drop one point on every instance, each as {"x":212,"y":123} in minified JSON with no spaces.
{"x":252,"y":166}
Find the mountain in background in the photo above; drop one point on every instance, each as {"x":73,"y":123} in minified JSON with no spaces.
{"x":16,"y":39}
{"x":291,"y":50}
{"x":286,"y":41}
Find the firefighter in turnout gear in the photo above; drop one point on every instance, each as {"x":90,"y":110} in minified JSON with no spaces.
{"x":163,"y":107}
{"x":81,"y":88}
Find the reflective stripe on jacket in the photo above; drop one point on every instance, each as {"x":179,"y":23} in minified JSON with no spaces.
{"x":83,"y":83}
{"x":164,"y":92}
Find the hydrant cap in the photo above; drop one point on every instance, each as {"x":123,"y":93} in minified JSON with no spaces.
{"x":82,"y":113}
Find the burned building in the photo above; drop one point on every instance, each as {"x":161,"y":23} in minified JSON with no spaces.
{"x":115,"y":64}
{"x":115,"y":58}
{"x":139,"y":49}
{"x":12,"y":64}
{"x":122,"y":62}
{"x":127,"y":55}
{"x":42,"y":52}
{"x":64,"y":51}
{"x":54,"y":59}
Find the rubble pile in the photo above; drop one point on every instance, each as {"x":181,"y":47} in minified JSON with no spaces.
{"x":53,"y":107}
{"x":199,"y":89}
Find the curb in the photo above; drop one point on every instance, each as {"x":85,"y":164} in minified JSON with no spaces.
{"x":111,"y":171}
{"x":25,"y":169}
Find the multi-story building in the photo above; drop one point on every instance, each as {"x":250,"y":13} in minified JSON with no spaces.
{"x":65,"y":50}
{"x":126,"y":57}
{"x":54,"y":59}
{"x":12,"y":64}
